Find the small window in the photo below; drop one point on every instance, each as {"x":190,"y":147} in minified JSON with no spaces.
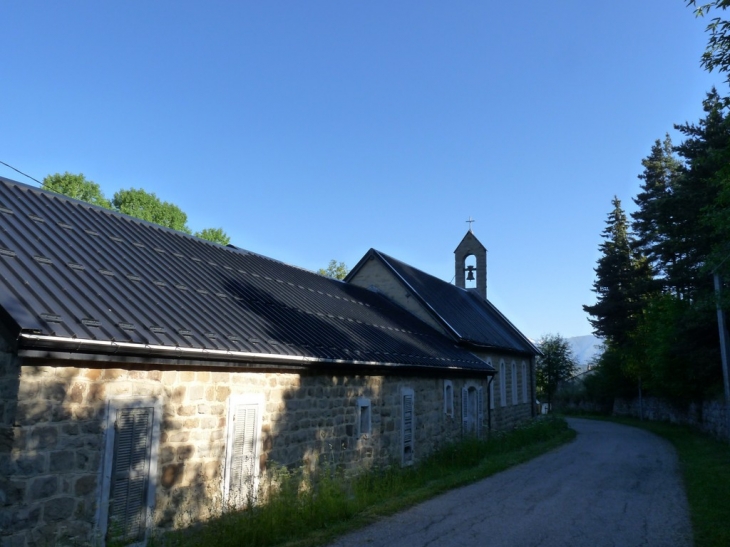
{"x":408,"y":426}
{"x":448,"y":398}
{"x":364,"y":421}
{"x":491,"y":393}
{"x":502,"y":384}
{"x":130,"y":468}
{"x":524,"y":382}
{"x":514,"y":383}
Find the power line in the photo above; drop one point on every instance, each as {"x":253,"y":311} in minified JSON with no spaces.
{"x":19,"y":171}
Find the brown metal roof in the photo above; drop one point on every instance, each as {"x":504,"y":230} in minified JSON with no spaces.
{"x":73,"y":271}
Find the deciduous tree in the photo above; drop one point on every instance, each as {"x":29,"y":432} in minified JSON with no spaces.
{"x":215,"y":235}
{"x":76,"y":187}
{"x":147,"y":206}
{"x":556,"y":364}
{"x":335,"y":270}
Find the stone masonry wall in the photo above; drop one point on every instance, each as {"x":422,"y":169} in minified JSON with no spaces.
{"x":53,"y":459}
{"x":708,"y":416}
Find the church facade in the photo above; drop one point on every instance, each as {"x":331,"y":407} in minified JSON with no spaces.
{"x":149,"y":379}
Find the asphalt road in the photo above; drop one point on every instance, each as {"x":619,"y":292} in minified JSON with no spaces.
{"x":613,"y":486}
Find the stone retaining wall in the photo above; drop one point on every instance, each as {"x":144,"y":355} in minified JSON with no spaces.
{"x":708,"y":416}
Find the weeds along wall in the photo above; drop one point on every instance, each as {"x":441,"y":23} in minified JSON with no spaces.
{"x":207,"y":433}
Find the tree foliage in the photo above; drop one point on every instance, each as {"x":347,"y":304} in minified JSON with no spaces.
{"x":215,"y":235}
{"x":335,"y":270}
{"x":659,"y":322}
{"x":623,"y":280}
{"x":76,"y":187}
{"x":147,"y":206}
{"x":556,"y":364}
{"x":133,"y":202}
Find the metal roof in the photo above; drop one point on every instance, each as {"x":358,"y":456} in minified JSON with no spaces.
{"x":70,"y":271}
{"x":470,"y":318}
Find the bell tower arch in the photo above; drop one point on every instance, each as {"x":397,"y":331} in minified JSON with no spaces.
{"x":471,"y":246}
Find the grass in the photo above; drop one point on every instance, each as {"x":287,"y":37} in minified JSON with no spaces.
{"x":304,"y":511}
{"x":705,"y":466}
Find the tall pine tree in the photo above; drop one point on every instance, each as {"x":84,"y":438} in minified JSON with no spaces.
{"x":623,"y":279}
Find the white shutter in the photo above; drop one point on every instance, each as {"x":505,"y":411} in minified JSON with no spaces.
{"x":130,"y":474}
{"x":408,"y":427}
{"x":464,"y":410}
{"x":243,"y":453}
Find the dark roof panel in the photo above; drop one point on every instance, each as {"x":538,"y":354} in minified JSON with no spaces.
{"x":471,"y":318}
{"x":72,"y":270}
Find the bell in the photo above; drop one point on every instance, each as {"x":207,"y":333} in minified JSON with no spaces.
{"x":470,"y":273}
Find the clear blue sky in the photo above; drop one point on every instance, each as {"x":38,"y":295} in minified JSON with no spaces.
{"x":312,"y":130}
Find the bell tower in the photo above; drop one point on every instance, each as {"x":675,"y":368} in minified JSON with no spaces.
{"x":471,"y":246}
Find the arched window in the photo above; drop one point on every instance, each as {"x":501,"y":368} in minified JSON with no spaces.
{"x":448,"y":398}
{"x":514,"y":383}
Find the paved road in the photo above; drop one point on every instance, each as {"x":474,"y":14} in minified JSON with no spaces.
{"x":613,"y":486}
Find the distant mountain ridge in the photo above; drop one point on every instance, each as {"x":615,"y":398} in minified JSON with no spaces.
{"x":585,"y":348}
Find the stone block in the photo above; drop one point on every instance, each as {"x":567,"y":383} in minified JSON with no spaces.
{"x":43,"y":487}
{"x":222,"y":393}
{"x":30,"y":464}
{"x":172,"y":474}
{"x":58,"y":509}
{"x":85,"y":485}
{"x":43,"y":437}
{"x":62,"y":461}
{"x":187,"y":376}
{"x":33,"y":412}
{"x":169,"y":377}
{"x":196,"y":393}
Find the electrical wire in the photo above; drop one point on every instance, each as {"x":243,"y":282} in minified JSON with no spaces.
{"x":24,"y":174}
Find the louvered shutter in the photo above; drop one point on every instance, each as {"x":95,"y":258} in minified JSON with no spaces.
{"x":130,"y":474}
{"x":464,"y":410}
{"x":480,"y":410}
{"x":407,"y":428}
{"x":243,"y":459}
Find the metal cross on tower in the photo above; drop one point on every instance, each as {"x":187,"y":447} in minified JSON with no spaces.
{"x":470,"y":222}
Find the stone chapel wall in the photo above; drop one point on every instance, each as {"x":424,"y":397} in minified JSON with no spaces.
{"x":53,"y":461}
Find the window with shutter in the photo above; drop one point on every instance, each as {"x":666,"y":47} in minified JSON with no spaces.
{"x":448,"y":398}
{"x":472,"y":410}
{"x":242,"y":451}
{"x":408,"y":426}
{"x":129,"y":468}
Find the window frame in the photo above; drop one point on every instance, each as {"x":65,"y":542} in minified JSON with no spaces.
{"x":113,"y":408}
{"x":515,"y":385}
{"x":247,"y":399}
{"x":449,"y":398}
{"x":364,"y":410}
{"x":408,"y":442}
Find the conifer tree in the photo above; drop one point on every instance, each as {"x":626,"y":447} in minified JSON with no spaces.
{"x":623,"y":279}
{"x":653,"y":220}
